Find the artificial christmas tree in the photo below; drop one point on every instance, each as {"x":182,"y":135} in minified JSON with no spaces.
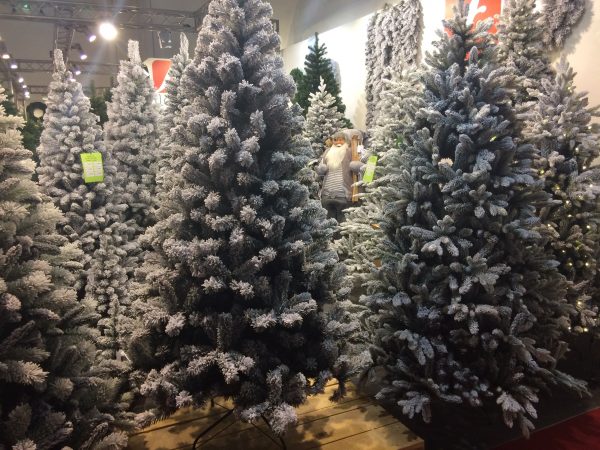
{"x":175,"y":100}
{"x":170,"y":151}
{"x":232,"y":296}
{"x":362,"y":241}
{"x":559,"y":125}
{"x":400,"y":99}
{"x":522,"y":47}
{"x":468,"y":307}
{"x":317,"y":67}
{"x":49,"y":395}
{"x":393,"y":44}
{"x":132,"y":138}
{"x":559,"y":17}
{"x":71,"y":132}
{"x":322,"y":120}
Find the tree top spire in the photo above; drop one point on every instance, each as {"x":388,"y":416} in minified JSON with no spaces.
{"x":133,"y":51}
{"x":59,"y":62}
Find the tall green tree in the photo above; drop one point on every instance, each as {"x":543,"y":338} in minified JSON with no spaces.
{"x":316,"y":67}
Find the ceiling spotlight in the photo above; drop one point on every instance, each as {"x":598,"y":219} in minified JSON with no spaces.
{"x":21,"y":80}
{"x":91,"y":37}
{"x":77,"y":70}
{"x":108,"y":31}
{"x":24,"y":86}
{"x":82,"y":55}
{"x":5,"y":56}
{"x":27,"y":95}
{"x":13,"y":65}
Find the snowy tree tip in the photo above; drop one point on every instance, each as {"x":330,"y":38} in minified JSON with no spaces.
{"x":184,"y":46}
{"x":133,"y":51}
{"x":59,"y":62}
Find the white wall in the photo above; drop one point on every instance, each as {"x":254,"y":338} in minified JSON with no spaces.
{"x":342,"y":26}
{"x":346,"y":42}
{"x":583,"y":49}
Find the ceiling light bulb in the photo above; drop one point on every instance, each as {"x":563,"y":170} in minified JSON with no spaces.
{"x":83,"y":56}
{"x":27,"y":95}
{"x":91,"y":37}
{"x":5,"y":56}
{"x":21,"y":80}
{"x":77,"y":71}
{"x":13,"y":65}
{"x":108,"y":31}
{"x":24,"y":86}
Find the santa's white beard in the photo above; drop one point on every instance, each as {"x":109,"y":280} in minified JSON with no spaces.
{"x":336,"y":155}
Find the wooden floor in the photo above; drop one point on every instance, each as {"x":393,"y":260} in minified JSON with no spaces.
{"x":355,"y":423}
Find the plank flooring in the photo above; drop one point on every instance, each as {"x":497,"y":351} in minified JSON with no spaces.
{"x":355,"y":423}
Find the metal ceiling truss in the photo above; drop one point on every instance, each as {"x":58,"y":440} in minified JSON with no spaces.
{"x":79,"y":14}
{"x":8,"y":75}
{"x":42,"y":65}
{"x":43,"y":90}
{"x":63,"y":39}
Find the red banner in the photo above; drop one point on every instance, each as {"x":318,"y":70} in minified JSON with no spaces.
{"x":478,"y":10}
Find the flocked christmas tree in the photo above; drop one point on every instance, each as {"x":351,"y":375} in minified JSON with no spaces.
{"x":49,"y":395}
{"x":393,"y":45}
{"x":401,"y":98}
{"x":132,"y":137}
{"x":521,"y":45}
{"x":323,"y":119}
{"x":317,"y":67}
{"x":232,"y":297}
{"x":175,"y":100}
{"x":169,"y":151}
{"x":71,"y":132}
{"x":468,"y":306}
{"x":559,"y":125}
{"x":362,"y":241}
{"x":559,"y":17}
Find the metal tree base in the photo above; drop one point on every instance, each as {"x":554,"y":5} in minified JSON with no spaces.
{"x":276,"y":440}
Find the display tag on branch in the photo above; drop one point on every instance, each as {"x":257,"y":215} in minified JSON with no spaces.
{"x":370,"y":169}
{"x":93,"y":170}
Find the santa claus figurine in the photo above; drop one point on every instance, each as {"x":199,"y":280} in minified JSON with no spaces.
{"x":337,"y":169}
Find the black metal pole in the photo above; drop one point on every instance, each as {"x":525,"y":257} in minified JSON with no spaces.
{"x":211,"y":427}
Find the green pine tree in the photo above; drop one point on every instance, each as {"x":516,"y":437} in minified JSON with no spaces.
{"x":317,"y":66}
{"x":32,"y":132}
{"x":10,"y":107}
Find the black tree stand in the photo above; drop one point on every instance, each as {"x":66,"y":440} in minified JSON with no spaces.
{"x":277,"y":440}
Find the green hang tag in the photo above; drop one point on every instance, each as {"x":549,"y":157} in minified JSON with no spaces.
{"x":370,"y":169}
{"x":93,"y":170}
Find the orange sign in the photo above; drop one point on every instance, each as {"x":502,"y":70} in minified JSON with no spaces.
{"x":478,"y":10}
